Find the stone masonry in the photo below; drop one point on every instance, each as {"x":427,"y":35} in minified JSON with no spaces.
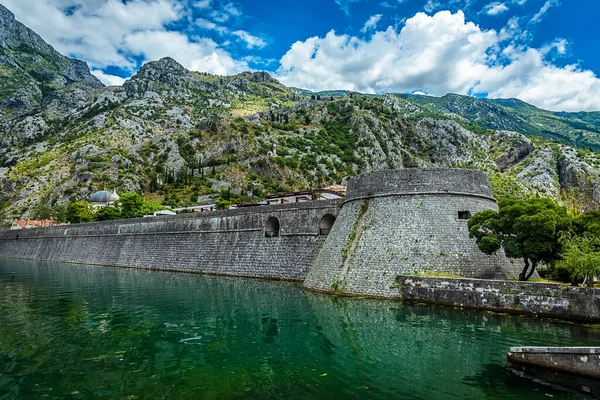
{"x":411,"y":221}
{"x":231,"y":242}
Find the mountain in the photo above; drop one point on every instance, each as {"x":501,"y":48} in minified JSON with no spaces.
{"x":183,"y":137}
{"x":578,"y":129}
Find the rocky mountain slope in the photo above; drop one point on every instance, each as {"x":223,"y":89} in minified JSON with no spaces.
{"x":182,"y":137}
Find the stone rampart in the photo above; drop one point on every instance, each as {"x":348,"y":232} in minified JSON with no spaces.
{"x":406,"y":222}
{"x":543,"y":299}
{"x":233,"y":242}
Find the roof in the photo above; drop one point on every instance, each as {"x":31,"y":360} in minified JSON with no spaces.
{"x":31,"y":223}
{"x":101,"y":196}
{"x":310,"y":193}
{"x":104,"y":196}
{"x":337,"y":189}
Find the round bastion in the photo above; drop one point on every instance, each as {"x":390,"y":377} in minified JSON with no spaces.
{"x":406,"y":222}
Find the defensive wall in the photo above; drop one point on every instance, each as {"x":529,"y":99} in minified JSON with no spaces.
{"x":542,"y":299}
{"x":393,"y":229}
{"x":406,"y":222}
{"x":274,"y":242}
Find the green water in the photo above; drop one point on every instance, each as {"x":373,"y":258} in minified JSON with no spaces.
{"x":69,"y":331}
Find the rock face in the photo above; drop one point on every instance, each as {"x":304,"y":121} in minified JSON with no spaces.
{"x":25,"y":49}
{"x":64,"y":136}
{"x":519,"y":147}
{"x":32,"y":74}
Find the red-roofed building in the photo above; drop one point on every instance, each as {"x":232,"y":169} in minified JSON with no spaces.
{"x":33,"y":223}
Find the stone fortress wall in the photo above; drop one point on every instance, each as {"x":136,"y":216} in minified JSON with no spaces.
{"x":392,"y":227}
{"x":411,"y":221}
{"x":392,"y":223}
{"x":242,"y":242}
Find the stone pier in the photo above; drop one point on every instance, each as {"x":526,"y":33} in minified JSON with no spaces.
{"x":576,"y":368}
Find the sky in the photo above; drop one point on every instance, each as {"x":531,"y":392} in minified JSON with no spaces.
{"x":540,"y":51}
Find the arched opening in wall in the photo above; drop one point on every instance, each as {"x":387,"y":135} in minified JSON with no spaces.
{"x":272,"y":227}
{"x":325,"y":224}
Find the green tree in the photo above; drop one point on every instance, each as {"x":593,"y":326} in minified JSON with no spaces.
{"x":150,"y":206}
{"x":223,"y":204}
{"x":587,"y":224}
{"x":43,"y":212}
{"x":581,"y":256}
{"x":79,"y":212}
{"x":132,"y":205}
{"x":527,"y":229}
{"x":59,"y":213}
{"x":108,"y":213}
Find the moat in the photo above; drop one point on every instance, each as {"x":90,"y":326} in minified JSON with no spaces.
{"x":73,"y":331}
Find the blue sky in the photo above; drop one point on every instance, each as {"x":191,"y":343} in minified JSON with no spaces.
{"x":541,"y":51}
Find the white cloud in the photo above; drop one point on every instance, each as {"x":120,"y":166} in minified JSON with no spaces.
{"x":209,"y":25}
{"x":440,"y":54}
{"x":345,"y":5}
{"x":250,"y":40}
{"x":108,"y":32}
{"x":202,"y":4}
{"x":540,"y":14}
{"x":201,"y":55}
{"x":371,"y":23}
{"x":227,"y":12}
{"x":433,"y":5}
{"x":95,"y":29}
{"x":558,"y":45}
{"x":495,"y":8}
{"x":393,"y":4}
{"x":108,"y":80}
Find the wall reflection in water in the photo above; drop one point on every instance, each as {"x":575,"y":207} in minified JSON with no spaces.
{"x":82,"y":332}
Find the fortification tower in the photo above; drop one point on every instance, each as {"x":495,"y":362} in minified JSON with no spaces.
{"x":411,"y":221}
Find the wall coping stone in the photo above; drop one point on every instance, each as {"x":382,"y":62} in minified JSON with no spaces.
{"x":557,"y":350}
{"x":439,"y":193}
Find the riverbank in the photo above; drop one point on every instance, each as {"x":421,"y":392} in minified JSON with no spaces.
{"x":532,"y":298}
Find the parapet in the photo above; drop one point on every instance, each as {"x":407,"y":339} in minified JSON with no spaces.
{"x":416,"y":181}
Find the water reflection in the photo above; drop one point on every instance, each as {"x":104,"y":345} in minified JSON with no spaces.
{"x":81,"y":332}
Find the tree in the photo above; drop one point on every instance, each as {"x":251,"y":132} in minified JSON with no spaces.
{"x":43,"y":212}
{"x":108,"y":213}
{"x":79,"y":212}
{"x":151,"y":206}
{"x":223,"y":204}
{"x":587,"y":224}
{"x":581,"y":256}
{"x":59,"y":213}
{"x":527,"y":229}
{"x":318,"y":97}
{"x":132,"y":205}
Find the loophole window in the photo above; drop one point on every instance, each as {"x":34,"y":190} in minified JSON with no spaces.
{"x":464,"y":214}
